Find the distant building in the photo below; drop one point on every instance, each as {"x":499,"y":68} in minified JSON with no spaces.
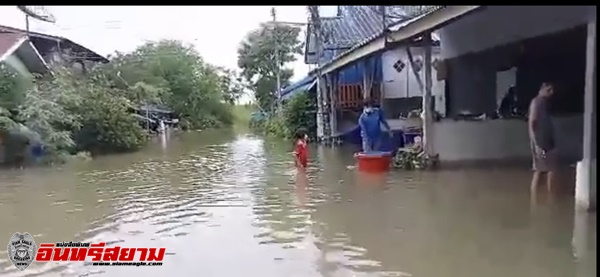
{"x":52,"y":49}
{"x":17,"y":51}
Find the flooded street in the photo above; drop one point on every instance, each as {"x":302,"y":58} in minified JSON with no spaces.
{"x":229,"y":204}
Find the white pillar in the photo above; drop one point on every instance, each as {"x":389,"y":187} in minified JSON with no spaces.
{"x":584,"y":244}
{"x":427,"y":95}
{"x":585,"y":189}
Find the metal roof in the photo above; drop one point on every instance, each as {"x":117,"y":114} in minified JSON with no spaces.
{"x":393,"y":27}
{"x":354,"y":24}
{"x":93,"y":55}
{"x":357,"y":23}
{"x":303,"y":84}
{"x":302,"y":89}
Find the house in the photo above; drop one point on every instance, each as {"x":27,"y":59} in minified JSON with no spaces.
{"x":385,"y":75}
{"x":350,"y":26}
{"x":17,"y":51}
{"x":55,"y":49}
{"x":481,"y":53}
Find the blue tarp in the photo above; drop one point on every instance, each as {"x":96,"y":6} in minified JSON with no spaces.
{"x":353,"y":72}
{"x":350,"y":74}
{"x":300,"y":86}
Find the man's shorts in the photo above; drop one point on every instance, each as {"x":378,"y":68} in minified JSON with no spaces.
{"x":544,"y":163}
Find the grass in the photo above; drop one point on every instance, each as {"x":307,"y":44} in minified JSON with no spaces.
{"x":241,"y":115}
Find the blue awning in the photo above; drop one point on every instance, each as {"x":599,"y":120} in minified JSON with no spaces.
{"x":303,"y":85}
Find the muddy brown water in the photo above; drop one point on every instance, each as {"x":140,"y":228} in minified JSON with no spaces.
{"x":228,"y":204}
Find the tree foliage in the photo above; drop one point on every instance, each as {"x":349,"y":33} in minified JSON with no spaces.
{"x":70,"y":112}
{"x":233,"y":85}
{"x":265,"y":52}
{"x":298,"y":112}
{"x":184,"y":82}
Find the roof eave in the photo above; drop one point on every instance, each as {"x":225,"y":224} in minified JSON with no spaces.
{"x":430,"y":21}
{"x":407,"y":30}
{"x":96,"y":55}
{"x":367,"y":49}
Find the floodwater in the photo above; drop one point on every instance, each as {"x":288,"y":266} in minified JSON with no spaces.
{"x":227,"y":204}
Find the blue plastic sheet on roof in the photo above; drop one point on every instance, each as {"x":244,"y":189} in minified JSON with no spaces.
{"x":300,"y":86}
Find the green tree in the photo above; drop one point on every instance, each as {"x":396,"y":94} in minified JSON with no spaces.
{"x":69,"y":112}
{"x":232,"y":85}
{"x":263,"y":54}
{"x":188,"y":85}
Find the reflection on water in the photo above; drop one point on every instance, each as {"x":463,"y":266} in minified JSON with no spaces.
{"x":232,"y":205}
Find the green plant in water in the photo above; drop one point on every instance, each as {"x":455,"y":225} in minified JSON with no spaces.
{"x":413,"y":157}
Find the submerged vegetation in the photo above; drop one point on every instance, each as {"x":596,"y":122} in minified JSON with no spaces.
{"x":70,"y":112}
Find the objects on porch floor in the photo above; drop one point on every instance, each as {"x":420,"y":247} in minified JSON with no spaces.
{"x":413,"y":157}
{"x":373,"y":162}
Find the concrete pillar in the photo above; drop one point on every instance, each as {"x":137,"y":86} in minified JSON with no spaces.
{"x":427,"y":96}
{"x":585,"y":188}
{"x":584,"y":244}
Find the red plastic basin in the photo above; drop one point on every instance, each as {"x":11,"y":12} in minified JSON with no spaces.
{"x":373,"y":162}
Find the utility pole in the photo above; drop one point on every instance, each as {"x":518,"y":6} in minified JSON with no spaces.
{"x":315,"y":22}
{"x":277,"y":58}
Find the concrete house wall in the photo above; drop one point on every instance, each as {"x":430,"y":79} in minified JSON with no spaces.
{"x":502,"y":139}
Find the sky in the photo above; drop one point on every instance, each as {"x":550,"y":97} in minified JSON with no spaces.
{"x":216,"y":31}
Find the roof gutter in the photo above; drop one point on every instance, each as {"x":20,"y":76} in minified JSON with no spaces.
{"x":433,"y":20}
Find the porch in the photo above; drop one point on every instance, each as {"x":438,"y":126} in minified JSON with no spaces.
{"x":484,"y":54}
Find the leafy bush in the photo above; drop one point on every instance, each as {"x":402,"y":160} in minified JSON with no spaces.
{"x":70,"y":112}
{"x":106,"y":124}
{"x":298,"y":112}
{"x":277,"y":126}
{"x":194,"y":89}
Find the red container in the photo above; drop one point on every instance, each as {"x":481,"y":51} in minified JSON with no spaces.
{"x":373,"y":162}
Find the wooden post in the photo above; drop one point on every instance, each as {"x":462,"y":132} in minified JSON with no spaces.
{"x":427,"y":114}
{"x":365,"y":81}
{"x":427,"y":109}
{"x":333,"y":87}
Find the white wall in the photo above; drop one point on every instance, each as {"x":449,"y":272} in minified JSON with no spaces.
{"x":501,"y":139}
{"x":499,"y":25}
{"x":404,"y":84}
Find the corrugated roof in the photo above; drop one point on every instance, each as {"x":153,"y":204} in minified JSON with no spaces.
{"x":95,"y":55}
{"x":298,"y":85}
{"x":301,"y":89}
{"x":355,"y":23}
{"x":393,"y":27}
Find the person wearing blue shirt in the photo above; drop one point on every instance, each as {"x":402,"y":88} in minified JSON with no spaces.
{"x":369,"y":121}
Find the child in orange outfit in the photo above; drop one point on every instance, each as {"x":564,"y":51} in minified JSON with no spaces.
{"x":300,"y":149}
